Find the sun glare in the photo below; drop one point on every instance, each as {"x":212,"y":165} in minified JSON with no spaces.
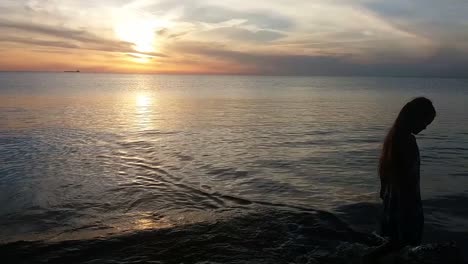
{"x":143,"y":100}
{"x":139,"y":31}
{"x":144,"y":110}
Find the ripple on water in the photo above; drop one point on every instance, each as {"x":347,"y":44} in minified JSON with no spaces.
{"x":98,"y":163}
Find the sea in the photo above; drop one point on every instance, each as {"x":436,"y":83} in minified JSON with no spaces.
{"x":128,"y":168}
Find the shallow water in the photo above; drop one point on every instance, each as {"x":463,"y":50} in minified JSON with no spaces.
{"x":238,"y":236}
{"x":89,"y":155}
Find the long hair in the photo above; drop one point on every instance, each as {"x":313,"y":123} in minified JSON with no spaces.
{"x":416,"y":110}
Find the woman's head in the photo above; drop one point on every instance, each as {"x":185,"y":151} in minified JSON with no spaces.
{"x":415,"y":116}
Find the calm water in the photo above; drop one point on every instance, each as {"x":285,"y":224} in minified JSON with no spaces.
{"x":85,"y":155}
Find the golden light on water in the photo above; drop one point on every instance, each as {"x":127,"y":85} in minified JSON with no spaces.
{"x":148,"y":223}
{"x":144,"y":110}
{"x":143,"y":100}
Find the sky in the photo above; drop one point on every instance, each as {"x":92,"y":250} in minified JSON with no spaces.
{"x":421,"y":38}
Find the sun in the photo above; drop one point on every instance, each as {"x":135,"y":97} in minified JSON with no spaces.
{"x":140,"y":31}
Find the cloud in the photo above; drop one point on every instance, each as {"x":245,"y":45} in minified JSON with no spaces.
{"x":202,"y":11}
{"x":241,"y":34}
{"x":260,"y":19}
{"x":72,"y":38}
{"x":37,"y":42}
{"x":444,"y":22}
{"x":445,"y":63}
{"x":162,"y":32}
{"x":337,"y":37}
{"x":139,"y":56}
{"x":79,"y":35}
{"x":307,"y":27}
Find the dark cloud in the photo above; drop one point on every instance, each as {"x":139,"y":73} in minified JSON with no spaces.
{"x":138,"y":56}
{"x":165,"y":32}
{"x":72,"y":38}
{"x":246,"y":35}
{"x":74,"y":34}
{"x":37,"y":42}
{"x":446,"y":63}
{"x":176,"y":35}
{"x":425,"y":10}
{"x":162,"y":32}
{"x":442,"y":21}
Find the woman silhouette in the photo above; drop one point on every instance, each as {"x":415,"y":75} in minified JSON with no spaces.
{"x":403,"y":220}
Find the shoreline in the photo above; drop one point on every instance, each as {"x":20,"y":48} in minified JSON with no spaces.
{"x":266,"y":234}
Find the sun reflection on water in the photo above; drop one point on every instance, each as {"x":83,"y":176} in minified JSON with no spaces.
{"x":144,"y":111}
{"x":143,"y":100}
{"x":147,"y":223}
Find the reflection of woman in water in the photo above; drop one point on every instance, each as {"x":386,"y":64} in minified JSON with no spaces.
{"x":403,"y":219}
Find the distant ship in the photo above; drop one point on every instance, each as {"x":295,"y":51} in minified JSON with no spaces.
{"x":72,"y":71}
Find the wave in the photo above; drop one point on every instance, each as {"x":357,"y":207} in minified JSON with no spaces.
{"x":261,"y":234}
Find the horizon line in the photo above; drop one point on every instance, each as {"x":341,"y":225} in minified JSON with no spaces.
{"x":240,"y":74}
